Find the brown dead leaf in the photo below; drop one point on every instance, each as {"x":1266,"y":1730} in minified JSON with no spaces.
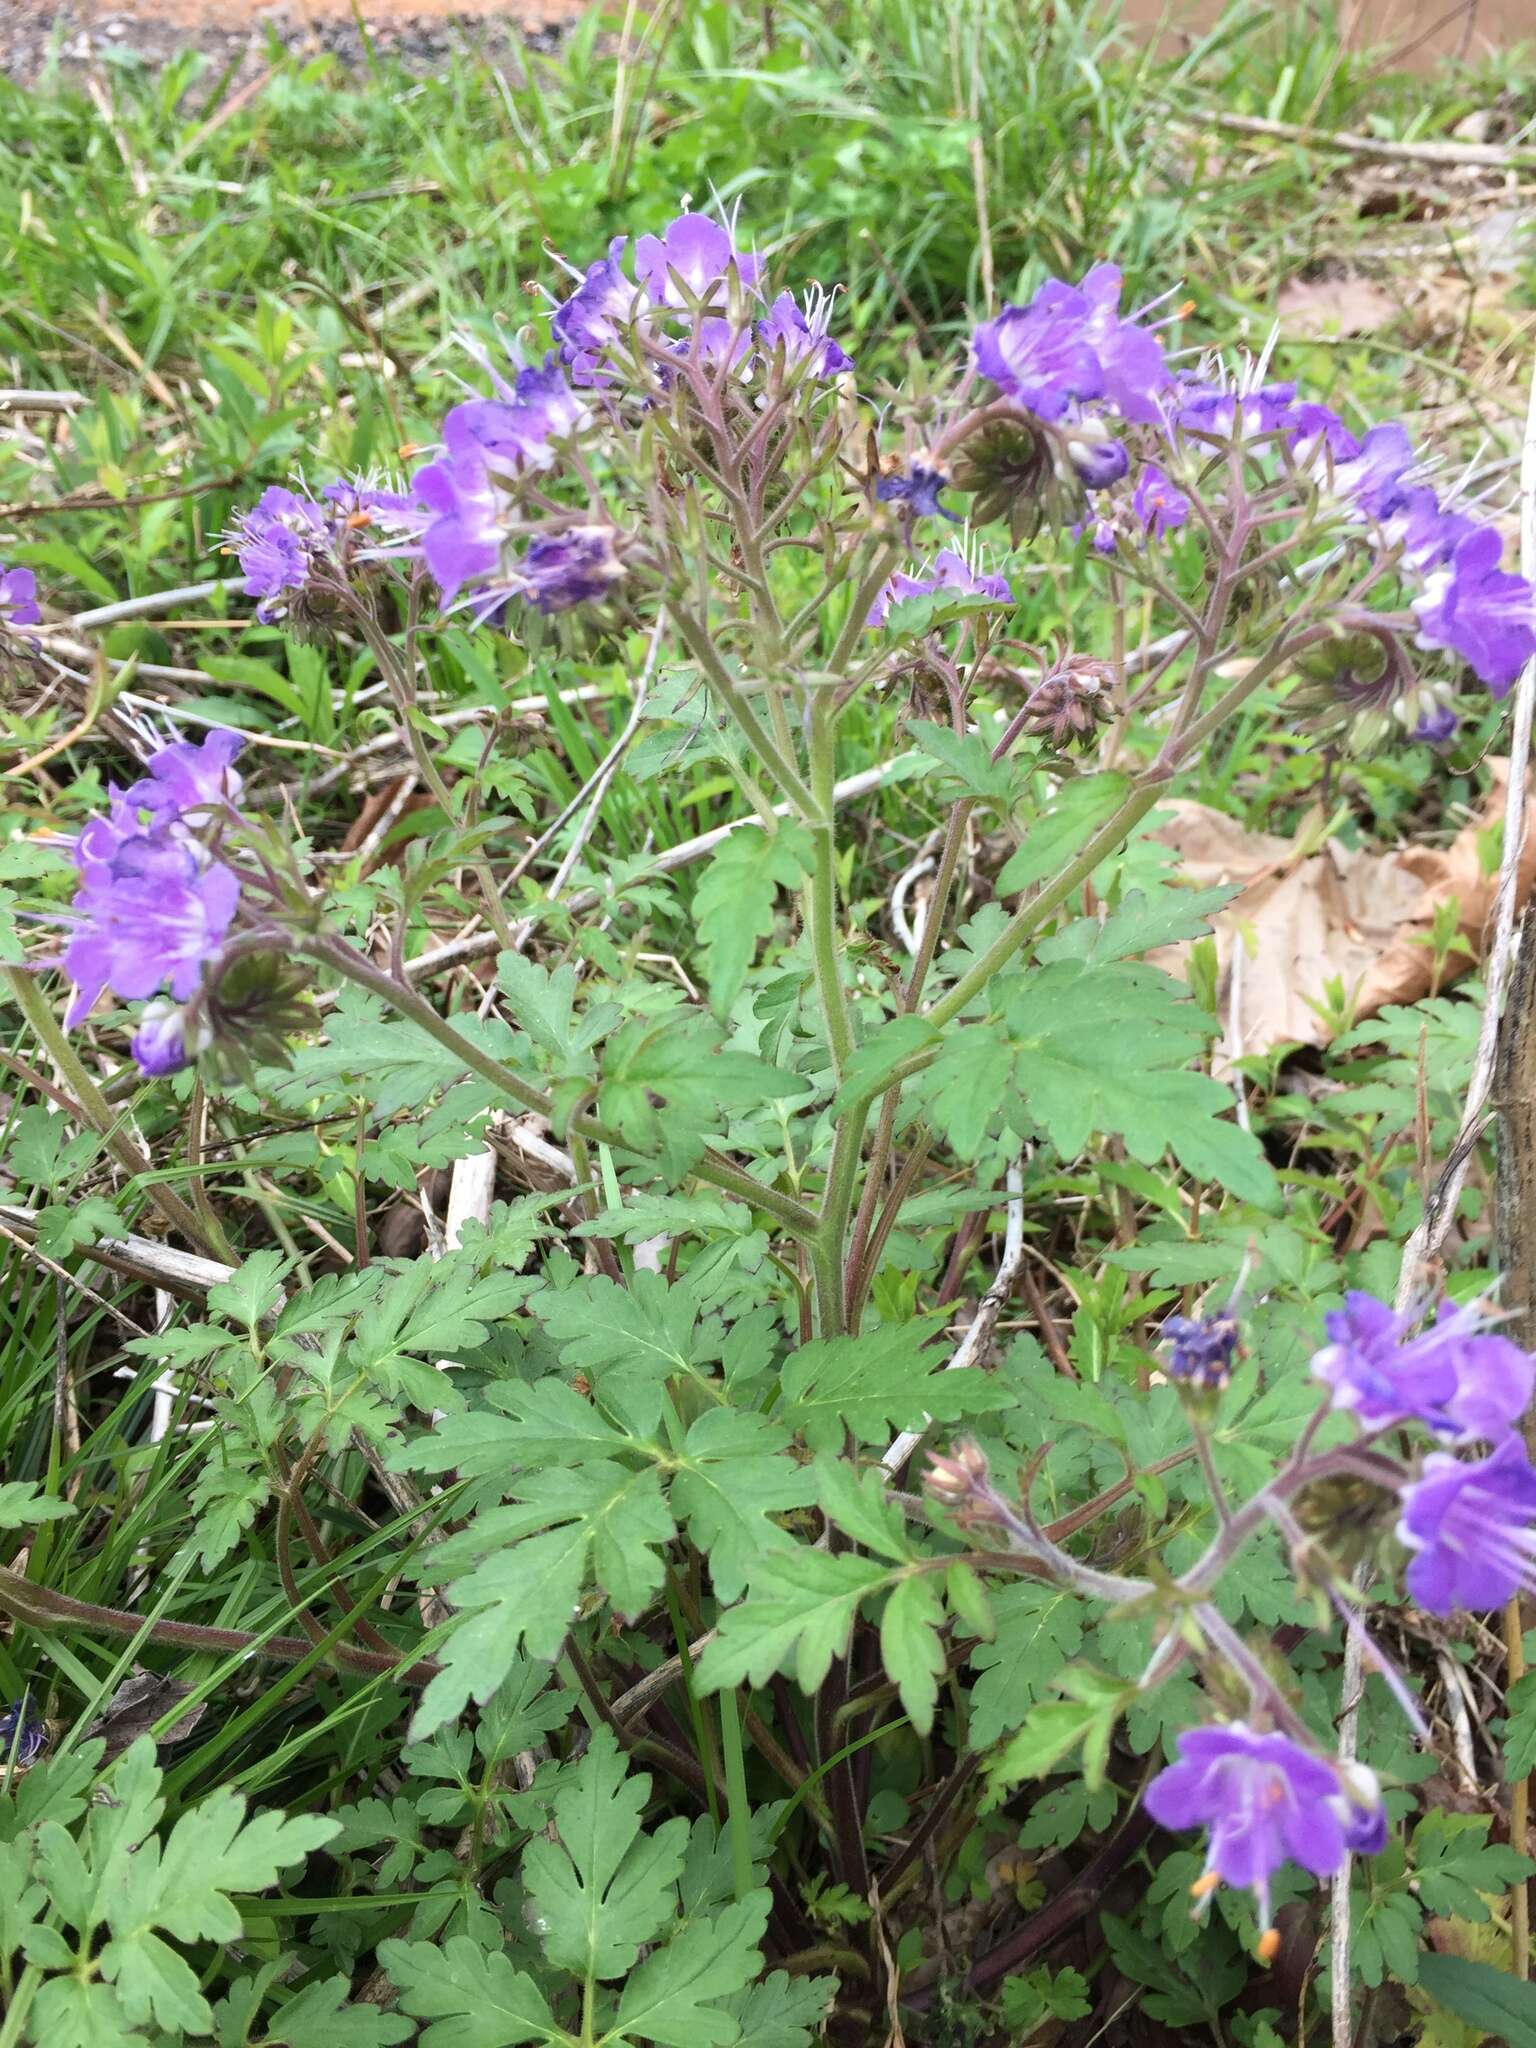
{"x":1305,"y":919}
{"x":1334,"y":306}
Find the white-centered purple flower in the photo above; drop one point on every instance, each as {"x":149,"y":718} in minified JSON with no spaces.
{"x":797,"y":336}
{"x":1227,"y":407}
{"x":1071,"y":345}
{"x":1456,"y":1377}
{"x":950,"y":572}
{"x":1158,"y":502}
{"x":518,"y":428}
{"x":689,"y":260}
{"x":160,"y":1045}
{"x":18,"y":598}
{"x":1472,"y":1528}
{"x":1478,"y":610}
{"x":1265,"y":1800}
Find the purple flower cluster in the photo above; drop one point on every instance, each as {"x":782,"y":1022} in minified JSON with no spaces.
{"x":1465,"y":603}
{"x":1471,"y":1523}
{"x":290,"y":543}
{"x":1266,"y":1801}
{"x":1455,"y":1377}
{"x":154,"y":905}
{"x":950,"y":572}
{"x":18,"y":598}
{"x":681,"y":300}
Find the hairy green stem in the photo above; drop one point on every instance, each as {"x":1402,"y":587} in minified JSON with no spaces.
{"x":781,"y":771}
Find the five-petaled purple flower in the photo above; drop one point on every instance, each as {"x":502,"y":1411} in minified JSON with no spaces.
{"x":950,"y":571}
{"x":1158,"y":502}
{"x":1266,"y":1801}
{"x":1070,"y":345}
{"x":1457,"y":1378}
{"x":18,"y":598}
{"x":695,"y":252}
{"x":1472,"y":1528}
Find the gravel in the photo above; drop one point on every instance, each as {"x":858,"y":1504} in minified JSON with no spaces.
{"x":78,"y":38}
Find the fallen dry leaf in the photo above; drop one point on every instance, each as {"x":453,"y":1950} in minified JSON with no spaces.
{"x":1334,"y":306}
{"x":1305,"y":919}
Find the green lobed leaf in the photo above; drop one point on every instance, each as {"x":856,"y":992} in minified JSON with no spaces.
{"x":734,"y":903}
{"x":478,"y":2000}
{"x":604,"y":1888}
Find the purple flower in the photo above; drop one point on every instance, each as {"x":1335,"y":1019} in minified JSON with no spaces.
{"x":151,"y":916}
{"x":160,"y":1043}
{"x":514,"y":430}
{"x":462,"y":538}
{"x":1097,"y":462}
{"x":1478,"y":611}
{"x":1220,"y":407}
{"x":1158,"y":502}
{"x":356,"y":505}
{"x":185,"y":778}
{"x":802,"y":336}
{"x":719,"y":339}
{"x":1470,"y":1526}
{"x":1201,"y":1350}
{"x":1070,"y":344}
{"x":23,"y":1736}
{"x":917,"y":487}
{"x":18,"y":598}
{"x":693,"y":252}
{"x":595,"y":314}
{"x":278,"y":543}
{"x":951,"y":571}
{"x":1101,"y":535}
{"x":1455,"y":1377}
{"x":1360,"y":1810}
{"x":565,"y":569}
{"x":1264,"y":1798}
{"x":1438,"y":726}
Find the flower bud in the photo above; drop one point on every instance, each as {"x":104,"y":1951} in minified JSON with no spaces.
{"x":1067,"y":706}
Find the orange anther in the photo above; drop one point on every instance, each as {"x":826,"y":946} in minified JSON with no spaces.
{"x":1204,"y":1886}
{"x":1269,"y":1945}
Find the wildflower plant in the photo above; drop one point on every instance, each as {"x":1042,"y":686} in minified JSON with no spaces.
{"x":741,"y":1510}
